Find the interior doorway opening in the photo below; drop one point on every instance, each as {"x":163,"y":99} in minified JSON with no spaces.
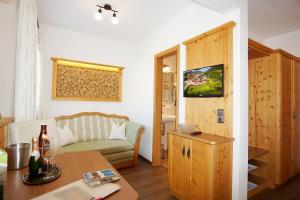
{"x":166,"y":97}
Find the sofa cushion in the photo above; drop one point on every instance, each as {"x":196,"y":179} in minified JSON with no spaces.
{"x":117,"y":132}
{"x":65,"y":136}
{"x":90,"y":127}
{"x":104,"y":146}
{"x":119,"y":157}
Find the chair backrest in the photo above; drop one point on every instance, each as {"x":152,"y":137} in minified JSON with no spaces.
{"x":23,"y":132}
{"x":90,"y":126}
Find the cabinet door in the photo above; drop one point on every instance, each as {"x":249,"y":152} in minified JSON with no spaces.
{"x":286,"y":119}
{"x":296,"y":119}
{"x":200,"y":170}
{"x":176,"y":165}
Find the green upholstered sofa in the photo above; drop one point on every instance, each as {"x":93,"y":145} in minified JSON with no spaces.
{"x":91,"y":130}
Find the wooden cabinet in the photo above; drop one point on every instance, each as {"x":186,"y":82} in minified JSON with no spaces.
{"x":200,"y":167}
{"x":177,"y":171}
{"x":296,"y":118}
{"x":274,"y":112}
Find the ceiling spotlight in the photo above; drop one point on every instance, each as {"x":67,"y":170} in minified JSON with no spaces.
{"x":114,"y":19}
{"x":98,"y":15}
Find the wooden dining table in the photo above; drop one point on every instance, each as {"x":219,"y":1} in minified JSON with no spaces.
{"x":72,"y":165}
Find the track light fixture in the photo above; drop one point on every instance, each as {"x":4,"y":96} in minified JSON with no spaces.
{"x":98,"y":15}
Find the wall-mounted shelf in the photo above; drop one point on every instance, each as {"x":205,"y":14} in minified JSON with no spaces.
{"x":256,"y":183}
{"x":255,"y":165}
{"x":254,"y":152}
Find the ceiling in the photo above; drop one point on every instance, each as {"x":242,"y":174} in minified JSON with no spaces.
{"x":221,"y":6}
{"x":136,"y":17}
{"x":269,"y":18}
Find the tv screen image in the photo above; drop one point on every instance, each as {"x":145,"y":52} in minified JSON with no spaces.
{"x":204,"y":82}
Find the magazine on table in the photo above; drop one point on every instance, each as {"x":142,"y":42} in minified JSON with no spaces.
{"x":100,"y":177}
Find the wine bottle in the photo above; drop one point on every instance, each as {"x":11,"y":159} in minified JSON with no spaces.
{"x":3,"y":171}
{"x":35,"y":165}
{"x":44,"y":144}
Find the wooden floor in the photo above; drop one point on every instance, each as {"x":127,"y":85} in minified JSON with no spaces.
{"x":150,"y":182}
{"x":289,"y":191}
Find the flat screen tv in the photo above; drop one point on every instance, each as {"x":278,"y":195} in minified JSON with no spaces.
{"x":204,"y":82}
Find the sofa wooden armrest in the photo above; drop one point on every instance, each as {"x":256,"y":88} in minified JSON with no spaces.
{"x":135,"y":161}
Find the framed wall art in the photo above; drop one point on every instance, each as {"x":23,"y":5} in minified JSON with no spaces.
{"x":86,"y":81}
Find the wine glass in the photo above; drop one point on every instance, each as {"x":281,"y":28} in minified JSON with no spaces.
{"x":48,"y":153}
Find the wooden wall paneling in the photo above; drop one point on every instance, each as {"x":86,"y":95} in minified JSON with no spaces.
{"x":228,"y":98}
{"x":286,"y":128}
{"x":211,"y":49}
{"x":251,"y":103}
{"x":263,"y":110}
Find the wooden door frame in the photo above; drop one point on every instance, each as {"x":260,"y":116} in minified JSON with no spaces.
{"x":157,"y":107}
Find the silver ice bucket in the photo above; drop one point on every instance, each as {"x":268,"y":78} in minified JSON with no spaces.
{"x":18,"y":155}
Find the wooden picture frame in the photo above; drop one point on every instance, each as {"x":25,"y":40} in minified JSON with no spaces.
{"x":85,"y":81}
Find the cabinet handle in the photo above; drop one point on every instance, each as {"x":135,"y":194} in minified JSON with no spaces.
{"x":183,"y":151}
{"x":188,"y":153}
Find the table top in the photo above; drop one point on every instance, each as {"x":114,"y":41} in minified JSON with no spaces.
{"x":203,"y":137}
{"x":73,"y":165}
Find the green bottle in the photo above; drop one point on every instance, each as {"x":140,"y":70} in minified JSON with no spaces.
{"x":3,"y":169}
{"x":35,"y":165}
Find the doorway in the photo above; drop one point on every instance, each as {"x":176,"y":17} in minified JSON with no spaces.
{"x":166,"y":98}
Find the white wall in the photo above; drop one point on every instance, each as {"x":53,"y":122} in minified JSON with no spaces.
{"x":193,"y":21}
{"x":57,"y":42}
{"x":256,"y":37}
{"x":240,"y":106}
{"x":8,"y":20}
{"x":289,"y":42}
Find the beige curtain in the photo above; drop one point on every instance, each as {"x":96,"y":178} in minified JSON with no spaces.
{"x":27,"y":80}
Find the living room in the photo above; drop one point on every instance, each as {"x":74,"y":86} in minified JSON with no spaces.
{"x":68,"y":31}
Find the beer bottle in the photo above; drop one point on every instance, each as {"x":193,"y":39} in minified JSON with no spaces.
{"x":43,"y":143}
